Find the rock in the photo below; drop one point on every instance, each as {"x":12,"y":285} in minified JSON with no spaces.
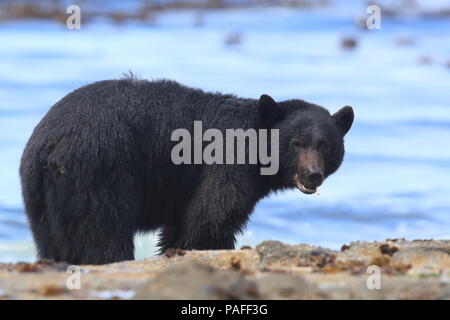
{"x":199,"y":281}
{"x":425,"y":60}
{"x":418,"y":269}
{"x":276,"y":253}
{"x":405,"y":40}
{"x":349,"y":43}
{"x":285,"y":286}
{"x":233,"y":39}
{"x":424,"y":261}
{"x":359,"y":251}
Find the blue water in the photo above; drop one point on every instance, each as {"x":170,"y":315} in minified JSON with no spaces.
{"x":395,"y":180}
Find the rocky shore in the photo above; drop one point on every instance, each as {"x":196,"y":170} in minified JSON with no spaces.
{"x":393,"y":269}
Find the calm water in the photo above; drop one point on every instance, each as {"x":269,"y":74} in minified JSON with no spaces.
{"x":395,"y":181}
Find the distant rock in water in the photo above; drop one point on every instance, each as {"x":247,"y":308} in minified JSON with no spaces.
{"x":405,"y":40}
{"x":425,"y":60}
{"x":233,"y":39}
{"x":349,"y":43}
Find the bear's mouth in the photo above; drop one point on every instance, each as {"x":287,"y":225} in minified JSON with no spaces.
{"x":302,"y":187}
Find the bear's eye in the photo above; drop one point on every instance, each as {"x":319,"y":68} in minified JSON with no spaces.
{"x":322,"y":145}
{"x":296,"y":143}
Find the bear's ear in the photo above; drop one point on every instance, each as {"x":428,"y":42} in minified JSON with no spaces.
{"x":269,"y":111}
{"x":344,"y":119}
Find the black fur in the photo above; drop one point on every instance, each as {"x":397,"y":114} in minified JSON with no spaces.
{"x":97,"y":168}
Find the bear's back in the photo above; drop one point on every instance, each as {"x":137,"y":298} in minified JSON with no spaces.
{"x":127,"y":116}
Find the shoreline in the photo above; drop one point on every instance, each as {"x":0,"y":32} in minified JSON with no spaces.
{"x":417,"y":269}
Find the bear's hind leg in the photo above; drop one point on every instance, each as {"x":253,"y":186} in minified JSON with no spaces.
{"x":97,"y":231}
{"x":37,"y":214}
{"x":43,"y":238}
{"x":98,"y":247}
{"x":93,"y":221}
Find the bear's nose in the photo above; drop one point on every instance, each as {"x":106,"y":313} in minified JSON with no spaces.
{"x":316,"y":177}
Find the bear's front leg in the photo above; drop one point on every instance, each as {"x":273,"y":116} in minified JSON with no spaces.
{"x":217,"y":212}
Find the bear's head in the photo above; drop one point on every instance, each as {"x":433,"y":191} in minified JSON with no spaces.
{"x":311,"y":140}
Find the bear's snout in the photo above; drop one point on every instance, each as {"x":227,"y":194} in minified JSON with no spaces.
{"x":310,"y":171}
{"x":316,"y":177}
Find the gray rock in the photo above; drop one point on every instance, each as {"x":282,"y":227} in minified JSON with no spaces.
{"x":198,"y":281}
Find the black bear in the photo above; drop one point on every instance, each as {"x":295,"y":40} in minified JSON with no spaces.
{"x":98,"y":168}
